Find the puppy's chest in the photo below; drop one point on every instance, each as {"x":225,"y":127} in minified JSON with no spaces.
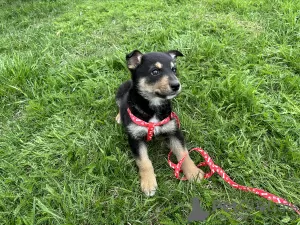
{"x":141,"y":131}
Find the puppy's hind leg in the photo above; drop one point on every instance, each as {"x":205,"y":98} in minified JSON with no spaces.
{"x":118,"y":118}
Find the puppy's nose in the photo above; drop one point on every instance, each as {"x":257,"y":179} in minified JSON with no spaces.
{"x":175,"y":86}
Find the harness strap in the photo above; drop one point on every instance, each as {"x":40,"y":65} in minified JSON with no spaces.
{"x":151,"y":126}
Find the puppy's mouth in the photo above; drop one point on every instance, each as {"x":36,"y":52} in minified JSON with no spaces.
{"x":169,"y":95}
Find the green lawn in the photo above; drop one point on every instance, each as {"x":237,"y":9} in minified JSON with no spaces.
{"x":64,"y":160}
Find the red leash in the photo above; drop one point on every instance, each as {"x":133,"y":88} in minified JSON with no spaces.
{"x":208,"y":162}
{"x":215,"y":168}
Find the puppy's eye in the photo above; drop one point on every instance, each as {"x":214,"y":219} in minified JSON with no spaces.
{"x":174,"y":69}
{"x":155,"y":72}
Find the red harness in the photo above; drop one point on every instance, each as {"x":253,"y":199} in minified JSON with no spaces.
{"x":207,"y":162}
{"x":150,"y":126}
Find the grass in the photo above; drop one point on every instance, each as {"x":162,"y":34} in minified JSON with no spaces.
{"x":64,"y":160}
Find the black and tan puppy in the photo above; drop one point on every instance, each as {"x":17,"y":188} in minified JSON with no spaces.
{"x":147,"y":95}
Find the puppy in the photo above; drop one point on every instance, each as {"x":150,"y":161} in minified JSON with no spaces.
{"x":145,"y":111}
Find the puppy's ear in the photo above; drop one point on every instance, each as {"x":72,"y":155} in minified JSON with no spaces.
{"x":134,"y":58}
{"x":174,"y":53}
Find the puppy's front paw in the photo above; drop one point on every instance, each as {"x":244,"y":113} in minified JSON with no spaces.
{"x":192,"y":172}
{"x":148,"y":183}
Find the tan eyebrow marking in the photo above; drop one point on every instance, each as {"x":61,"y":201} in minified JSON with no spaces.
{"x":158,"y":65}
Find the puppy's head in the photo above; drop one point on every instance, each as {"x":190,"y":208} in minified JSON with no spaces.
{"x":154,"y":74}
